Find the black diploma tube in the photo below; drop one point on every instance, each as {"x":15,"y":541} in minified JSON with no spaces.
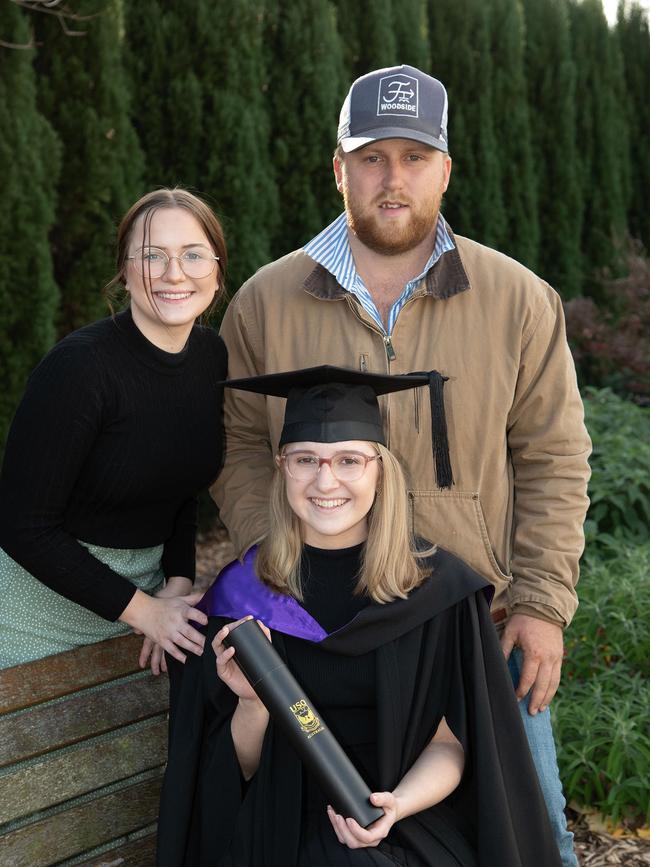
{"x":292,"y":710}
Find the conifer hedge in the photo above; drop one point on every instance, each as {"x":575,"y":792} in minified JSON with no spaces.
{"x":29,"y":167}
{"x":101,"y":166}
{"x":549,"y":120}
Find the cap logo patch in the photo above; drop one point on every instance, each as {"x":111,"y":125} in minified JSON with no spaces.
{"x":398,"y":95}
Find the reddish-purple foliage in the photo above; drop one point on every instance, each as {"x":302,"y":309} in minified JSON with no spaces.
{"x":610,"y":340}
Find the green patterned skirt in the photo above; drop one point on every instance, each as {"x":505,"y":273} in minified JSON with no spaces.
{"x":36,"y":621}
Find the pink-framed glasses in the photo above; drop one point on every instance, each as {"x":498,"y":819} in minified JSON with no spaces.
{"x":345,"y":466}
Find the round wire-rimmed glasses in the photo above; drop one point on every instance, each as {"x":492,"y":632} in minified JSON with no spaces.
{"x":345,"y":466}
{"x":195,"y":262}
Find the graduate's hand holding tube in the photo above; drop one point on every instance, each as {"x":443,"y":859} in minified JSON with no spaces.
{"x":227,"y":668}
{"x":251,"y":718}
{"x":434,"y":775}
{"x":350,"y":833}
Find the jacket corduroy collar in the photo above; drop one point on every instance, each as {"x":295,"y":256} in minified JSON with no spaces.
{"x":444,"y":280}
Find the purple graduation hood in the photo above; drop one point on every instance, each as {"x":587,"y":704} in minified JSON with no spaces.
{"x":237,"y":591}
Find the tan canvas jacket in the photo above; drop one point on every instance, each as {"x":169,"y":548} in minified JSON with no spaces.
{"x":517,"y":438}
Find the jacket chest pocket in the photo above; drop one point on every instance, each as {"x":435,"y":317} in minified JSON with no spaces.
{"x":454,"y":520}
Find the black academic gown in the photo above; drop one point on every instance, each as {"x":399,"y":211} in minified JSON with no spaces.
{"x":437,"y":654}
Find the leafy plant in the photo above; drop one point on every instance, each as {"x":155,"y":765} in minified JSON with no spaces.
{"x":603,"y":744}
{"x":620,"y":482}
{"x":611,"y":624}
{"x":601,"y":712}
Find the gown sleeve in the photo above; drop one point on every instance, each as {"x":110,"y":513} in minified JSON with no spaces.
{"x":452,"y":666}
{"x":500,"y":789}
{"x":208,"y":814}
{"x":203,"y":788}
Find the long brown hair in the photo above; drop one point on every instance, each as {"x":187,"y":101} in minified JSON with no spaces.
{"x":172,"y":197}
{"x":391,"y":565}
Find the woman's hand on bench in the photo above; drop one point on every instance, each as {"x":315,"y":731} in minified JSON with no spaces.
{"x":164,"y":620}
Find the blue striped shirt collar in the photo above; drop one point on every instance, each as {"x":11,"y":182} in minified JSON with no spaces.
{"x":331,"y":249}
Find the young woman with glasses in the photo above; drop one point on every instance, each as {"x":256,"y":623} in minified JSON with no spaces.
{"x":118,"y":431}
{"x":390,"y":639}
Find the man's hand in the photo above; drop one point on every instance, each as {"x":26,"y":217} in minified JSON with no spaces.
{"x":542,"y":646}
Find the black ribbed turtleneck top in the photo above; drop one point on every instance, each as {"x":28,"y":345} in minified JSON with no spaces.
{"x":111,"y":443}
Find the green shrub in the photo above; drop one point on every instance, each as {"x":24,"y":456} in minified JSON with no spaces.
{"x":620,"y":482}
{"x":601,"y":712}
{"x":611,"y":624}
{"x":603,"y":744}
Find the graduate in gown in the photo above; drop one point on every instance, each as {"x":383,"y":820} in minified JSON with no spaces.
{"x":392,"y":640}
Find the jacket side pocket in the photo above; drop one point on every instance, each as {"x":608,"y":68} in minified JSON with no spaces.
{"x":454,"y":520}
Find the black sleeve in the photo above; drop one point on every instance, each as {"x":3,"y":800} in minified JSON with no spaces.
{"x":54,"y":430}
{"x":500,"y":782}
{"x":202,"y":789}
{"x":179,"y":555}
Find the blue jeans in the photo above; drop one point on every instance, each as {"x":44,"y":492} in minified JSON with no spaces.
{"x":542,"y":747}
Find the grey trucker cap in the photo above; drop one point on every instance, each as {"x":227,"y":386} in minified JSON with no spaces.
{"x":396,"y":102}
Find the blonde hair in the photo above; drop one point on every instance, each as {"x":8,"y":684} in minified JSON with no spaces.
{"x":391,"y":564}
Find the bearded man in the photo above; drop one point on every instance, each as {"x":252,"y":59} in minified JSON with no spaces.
{"x":389,"y":288}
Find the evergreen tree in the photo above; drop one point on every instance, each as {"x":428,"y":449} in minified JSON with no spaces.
{"x":236,"y":170}
{"x":368,"y":36}
{"x":512,"y":131}
{"x":167,"y":82}
{"x":82,"y":92}
{"x":460,"y":58}
{"x":29,"y":157}
{"x":550,"y":74}
{"x":601,"y":134}
{"x":202,"y":114}
{"x":305,"y":91}
{"x":634,"y":38}
{"x":411,"y":33}
{"x":152,"y":63}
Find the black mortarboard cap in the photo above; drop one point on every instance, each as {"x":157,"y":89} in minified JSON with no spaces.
{"x":330,"y":404}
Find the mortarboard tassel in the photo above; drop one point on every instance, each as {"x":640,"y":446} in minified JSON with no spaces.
{"x":439,"y":438}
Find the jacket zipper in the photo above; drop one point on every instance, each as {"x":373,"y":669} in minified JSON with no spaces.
{"x":390,"y":356}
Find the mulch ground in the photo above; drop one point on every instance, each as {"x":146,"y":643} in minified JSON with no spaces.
{"x":593,"y":848}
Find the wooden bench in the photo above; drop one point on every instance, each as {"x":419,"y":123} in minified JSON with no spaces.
{"x":83,"y":742}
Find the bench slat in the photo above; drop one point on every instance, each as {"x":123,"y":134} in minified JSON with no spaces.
{"x":139,"y":853}
{"x":72,"y":832}
{"x":43,"y":729}
{"x":54,"y":676}
{"x":78,"y":772}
